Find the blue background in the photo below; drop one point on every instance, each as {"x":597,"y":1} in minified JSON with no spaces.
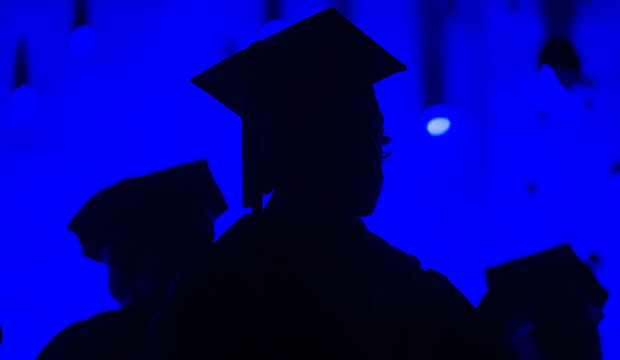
{"x":113,"y":100}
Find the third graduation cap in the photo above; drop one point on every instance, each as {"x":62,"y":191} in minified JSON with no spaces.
{"x":545,"y":272}
{"x":322,"y":45}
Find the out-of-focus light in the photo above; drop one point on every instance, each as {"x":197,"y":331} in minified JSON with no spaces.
{"x":560,"y":55}
{"x":548,"y":78}
{"x":83,"y":40}
{"x":271,"y":28}
{"x":438,"y":126}
{"x":24,"y":101}
{"x":438,"y":119}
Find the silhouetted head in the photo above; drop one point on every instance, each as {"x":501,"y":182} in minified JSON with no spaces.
{"x":547,"y":306}
{"x":323,"y":149}
{"x":144,"y":228}
{"x":312,"y":127}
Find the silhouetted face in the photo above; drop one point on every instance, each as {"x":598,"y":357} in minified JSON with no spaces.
{"x":336,"y":154}
{"x":352,"y":154}
{"x":562,"y":326}
{"x":121,"y":279}
{"x":139,"y":278}
{"x":143,"y":262}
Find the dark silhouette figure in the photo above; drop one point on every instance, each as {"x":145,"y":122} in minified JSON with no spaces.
{"x":545,"y":307}
{"x":304,"y":278}
{"x":144,"y":229}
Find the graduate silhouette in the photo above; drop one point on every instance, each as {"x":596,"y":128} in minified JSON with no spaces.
{"x":303,"y":278}
{"x":545,"y":307}
{"x":144,"y":229}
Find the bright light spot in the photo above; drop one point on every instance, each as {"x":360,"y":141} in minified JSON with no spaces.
{"x":83,"y":40}
{"x":439,"y":118}
{"x":24,"y":102}
{"x":438,"y":126}
{"x":272,"y":27}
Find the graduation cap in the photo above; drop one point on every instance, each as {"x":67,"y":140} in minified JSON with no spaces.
{"x":172,"y":202}
{"x":547,"y":271}
{"x":321,"y":52}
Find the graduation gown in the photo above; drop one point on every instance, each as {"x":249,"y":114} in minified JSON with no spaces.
{"x":110,"y":335}
{"x":282,"y":288}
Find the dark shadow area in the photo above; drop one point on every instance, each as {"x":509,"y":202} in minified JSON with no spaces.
{"x":546,"y":306}
{"x":144,"y":229}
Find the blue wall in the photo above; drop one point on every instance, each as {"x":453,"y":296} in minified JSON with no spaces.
{"x":126,"y":107}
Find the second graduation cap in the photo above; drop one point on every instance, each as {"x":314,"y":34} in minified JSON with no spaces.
{"x":325,"y":49}
{"x":545,"y":271}
{"x":164,"y":202}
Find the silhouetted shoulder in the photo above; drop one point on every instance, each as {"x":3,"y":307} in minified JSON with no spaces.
{"x":110,"y":335}
{"x":431,"y":282}
{"x":431,"y":308}
{"x":68,"y":344}
{"x":221,"y":253}
{"x":267,"y":287}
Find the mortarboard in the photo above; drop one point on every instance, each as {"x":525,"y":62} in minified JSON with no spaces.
{"x":324,"y":48}
{"x":558,"y":267}
{"x":164,"y":202}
